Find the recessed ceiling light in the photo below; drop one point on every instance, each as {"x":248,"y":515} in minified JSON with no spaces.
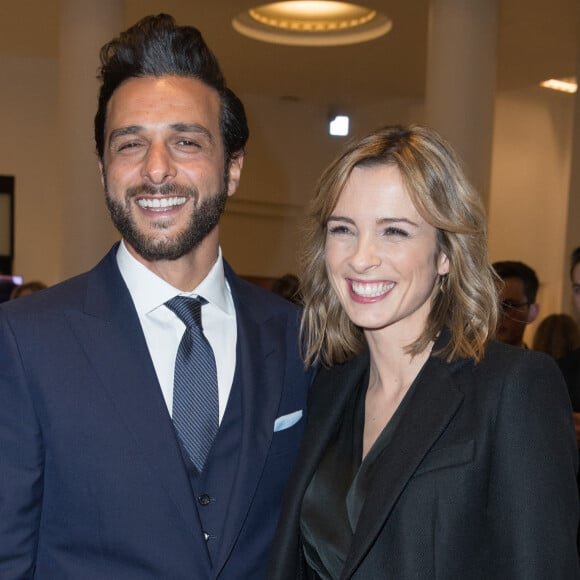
{"x":568,"y":85}
{"x":312,"y":23}
{"x":338,"y":125}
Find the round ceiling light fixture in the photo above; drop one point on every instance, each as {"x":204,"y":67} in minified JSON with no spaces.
{"x":312,"y":23}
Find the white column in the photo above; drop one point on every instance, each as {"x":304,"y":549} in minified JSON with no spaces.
{"x":460,"y":91}
{"x":85,"y":25}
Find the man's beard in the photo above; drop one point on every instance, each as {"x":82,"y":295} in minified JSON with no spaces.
{"x":204,"y":218}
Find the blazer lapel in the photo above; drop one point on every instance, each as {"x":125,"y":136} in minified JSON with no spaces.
{"x":330,"y":393}
{"x":435,"y":400}
{"x":111,"y":334}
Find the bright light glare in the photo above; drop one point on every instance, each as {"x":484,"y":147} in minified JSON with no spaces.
{"x":565,"y":85}
{"x":339,"y":126}
{"x":314,"y":8}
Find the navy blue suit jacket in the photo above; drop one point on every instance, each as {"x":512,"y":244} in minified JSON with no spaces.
{"x":92,"y":482}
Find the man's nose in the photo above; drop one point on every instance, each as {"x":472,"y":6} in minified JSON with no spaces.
{"x":158,"y":165}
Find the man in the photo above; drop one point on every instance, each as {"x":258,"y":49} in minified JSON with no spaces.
{"x":517,"y":294}
{"x":96,"y":480}
{"x":570,"y":364}
{"x":575,"y":279}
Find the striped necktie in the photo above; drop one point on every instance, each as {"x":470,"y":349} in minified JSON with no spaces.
{"x":195,"y":391}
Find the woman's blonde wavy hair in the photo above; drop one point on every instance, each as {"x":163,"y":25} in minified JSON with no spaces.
{"x":466,"y":300}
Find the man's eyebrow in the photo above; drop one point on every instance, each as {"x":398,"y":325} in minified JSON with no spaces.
{"x":192,"y":128}
{"x":122,"y":131}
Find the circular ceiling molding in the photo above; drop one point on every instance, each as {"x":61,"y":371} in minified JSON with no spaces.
{"x":312,"y":23}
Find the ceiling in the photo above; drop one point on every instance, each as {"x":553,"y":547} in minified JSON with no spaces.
{"x":536,"y":40}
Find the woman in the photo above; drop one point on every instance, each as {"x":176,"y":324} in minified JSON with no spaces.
{"x":430,"y":452}
{"x":557,"y":335}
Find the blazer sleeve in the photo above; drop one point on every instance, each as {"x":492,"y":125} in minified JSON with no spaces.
{"x":533,"y":497}
{"x":21,"y":464}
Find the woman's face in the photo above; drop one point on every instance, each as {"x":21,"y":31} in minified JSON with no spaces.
{"x":381,"y":256}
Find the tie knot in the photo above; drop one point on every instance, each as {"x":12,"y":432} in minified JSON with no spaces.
{"x":187,"y":309}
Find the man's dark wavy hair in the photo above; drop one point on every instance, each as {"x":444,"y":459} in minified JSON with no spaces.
{"x":154,"y":47}
{"x":512,"y":269}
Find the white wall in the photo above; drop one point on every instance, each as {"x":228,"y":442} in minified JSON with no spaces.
{"x":529,"y":187}
{"x":288,"y":149}
{"x":28,"y":145}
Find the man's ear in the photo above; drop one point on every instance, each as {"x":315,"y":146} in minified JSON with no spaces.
{"x":102,"y":173}
{"x":235,"y":173}
{"x":533,"y":312}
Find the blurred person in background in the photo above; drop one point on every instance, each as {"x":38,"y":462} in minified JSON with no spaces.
{"x":27,"y":288}
{"x":288,"y":286}
{"x":575,"y":279}
{"x":557,"y":335}
{"x":517,"y":294}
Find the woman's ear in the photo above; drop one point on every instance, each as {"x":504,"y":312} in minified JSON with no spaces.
{"x":442,"y":264}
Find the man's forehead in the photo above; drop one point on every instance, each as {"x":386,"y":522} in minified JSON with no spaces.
{"x":512,"y":286}
{"x":165,"y":93}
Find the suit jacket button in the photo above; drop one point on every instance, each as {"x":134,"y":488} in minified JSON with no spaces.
{"x":204,"y":499}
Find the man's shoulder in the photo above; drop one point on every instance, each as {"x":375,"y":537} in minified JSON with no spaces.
{"x":69,"y":293}
{"x":61,"y":294}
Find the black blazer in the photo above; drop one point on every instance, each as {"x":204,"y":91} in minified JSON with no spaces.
{"x":477,"y":482}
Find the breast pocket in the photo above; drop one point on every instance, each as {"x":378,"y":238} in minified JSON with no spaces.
{"x":446,"y":457}
{"x":287,"y":433}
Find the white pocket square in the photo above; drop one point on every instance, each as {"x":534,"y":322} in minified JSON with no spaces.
{"x":286,"y":421}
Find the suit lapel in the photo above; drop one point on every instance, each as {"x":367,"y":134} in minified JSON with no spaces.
{"x":260,"y":368}
{"x":111,"y":335}
{"x":435,"y":400}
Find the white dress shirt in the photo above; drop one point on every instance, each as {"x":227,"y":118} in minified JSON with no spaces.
{"x":163,"y":329}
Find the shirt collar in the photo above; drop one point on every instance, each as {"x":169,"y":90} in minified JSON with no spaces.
{"x":149,"y":291}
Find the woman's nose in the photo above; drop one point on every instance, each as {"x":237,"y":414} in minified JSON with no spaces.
{"x":366,"y":255}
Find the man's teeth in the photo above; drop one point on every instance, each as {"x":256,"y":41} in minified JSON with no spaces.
{"x":161,"y":202}
{"x":370,"y":290}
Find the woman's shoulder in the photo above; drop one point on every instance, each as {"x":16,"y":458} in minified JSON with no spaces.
{"x":519,"y":373}
{"x":508,"y":356}
{"x":505,"y":367}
